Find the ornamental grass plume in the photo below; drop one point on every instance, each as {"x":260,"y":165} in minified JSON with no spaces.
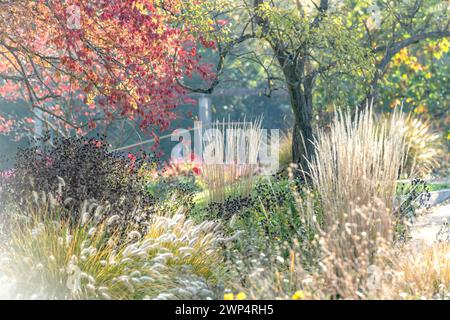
{"x":285,"y":152}
{"x":358,"y":161}
{"x":48,"y":257}
{"x":232,"y":167}
{"x":339,"y":263}
{"x":355,"y":170}
{"x":353,"y":257}
{"x":424,"y":270}
{"x":425,"y":147}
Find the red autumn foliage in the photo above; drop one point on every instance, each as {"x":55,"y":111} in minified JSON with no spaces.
{"x":102,"y":60}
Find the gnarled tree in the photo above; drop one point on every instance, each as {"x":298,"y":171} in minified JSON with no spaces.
{"x":323,"y":41}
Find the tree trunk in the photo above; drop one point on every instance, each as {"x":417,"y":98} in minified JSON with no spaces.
{"x":303,"y":137}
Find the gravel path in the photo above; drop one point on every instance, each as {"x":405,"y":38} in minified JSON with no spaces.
{"x":427,"y":226}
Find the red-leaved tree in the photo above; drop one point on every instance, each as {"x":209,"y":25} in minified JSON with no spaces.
{"x":78,"y":63}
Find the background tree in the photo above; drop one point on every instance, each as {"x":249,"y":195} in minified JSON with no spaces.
{"x":137,"y":60}
{"x":319,"y":43}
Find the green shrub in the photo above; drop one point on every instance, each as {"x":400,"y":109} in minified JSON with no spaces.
{"x":171,"y":193}
{"x":412,"y":197}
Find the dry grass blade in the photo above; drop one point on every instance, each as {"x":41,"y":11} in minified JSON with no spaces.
{"x":425,"y":147}
{"x":231,"y":169}
{"x":358,"y":161}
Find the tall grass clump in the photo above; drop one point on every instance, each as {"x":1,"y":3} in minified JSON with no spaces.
{"x":285,"y":152}
{"x":353,"y":256}
{"x":404,"y":272}
{"x":357,"y":161}
{"x":347,"y":261}
{"x":425,"y":147}
{"x":424,"y":271}
{"x":46,"y":257}
{"x":355,"y":168}
{"x":234,"y":147}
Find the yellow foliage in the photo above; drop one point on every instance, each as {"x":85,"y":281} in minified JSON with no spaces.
{"x":444,"y":45}
{"x":421,"y":109}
